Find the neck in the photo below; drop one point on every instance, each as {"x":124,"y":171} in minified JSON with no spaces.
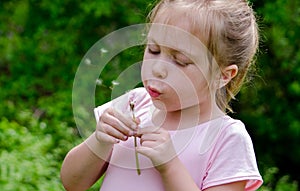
{"x":185,"y":118}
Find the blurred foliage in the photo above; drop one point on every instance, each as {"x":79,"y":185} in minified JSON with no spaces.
{"x":43,"y":42}
{"x":270,"y":105}
{"x":273,"y":183}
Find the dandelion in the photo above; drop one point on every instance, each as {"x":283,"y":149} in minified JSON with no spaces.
{"x":99,"y":82}
{"x":103,"y":50}
{"x":87,"y":61}
{"x":43,"y":125}
{"x":132,"y":104}
{"x":115,"y":83}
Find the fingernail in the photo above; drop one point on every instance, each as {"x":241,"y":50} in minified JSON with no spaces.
{"x":131,"y":133}
{"x":134,"y":133}
{"x":125,"y":138}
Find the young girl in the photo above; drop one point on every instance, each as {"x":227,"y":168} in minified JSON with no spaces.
{"x":196,"y":59}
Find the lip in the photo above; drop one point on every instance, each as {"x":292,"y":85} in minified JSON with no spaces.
{"x":153,"y":92}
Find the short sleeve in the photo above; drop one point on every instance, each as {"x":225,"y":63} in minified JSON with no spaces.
{"x":233,"y":159}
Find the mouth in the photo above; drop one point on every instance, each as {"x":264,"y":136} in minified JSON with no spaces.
{"x":153,"y":92}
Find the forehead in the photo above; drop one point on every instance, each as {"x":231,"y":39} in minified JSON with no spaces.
{"x":174,"y":17}
{"x":191,"y":16}
{"x":178,"y":25}
{"x":177,"y":36}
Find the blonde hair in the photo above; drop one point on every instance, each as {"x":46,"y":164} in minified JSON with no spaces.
{"x":227,"y":28}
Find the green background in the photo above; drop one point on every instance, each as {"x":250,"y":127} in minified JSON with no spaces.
{"x":42,"y":44}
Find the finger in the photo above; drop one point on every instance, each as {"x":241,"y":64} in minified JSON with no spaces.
{"x":153,"y":140}
{"x":109,"y":130}
{"x":103,"y":137}
{"x":148,"y":137}
{"x":149,"y":144}
{"x":125,"y":119}
{"x":147,"y":151}
{"x":114,"y":122}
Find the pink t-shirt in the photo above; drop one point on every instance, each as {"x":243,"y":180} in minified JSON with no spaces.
{"x":216,"y":152}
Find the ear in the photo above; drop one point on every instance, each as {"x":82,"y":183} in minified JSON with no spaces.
{"x":228,"y":73}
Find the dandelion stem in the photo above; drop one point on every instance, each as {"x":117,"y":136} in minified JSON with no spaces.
{"x":135,"y":141}
{"x":137,"y":158}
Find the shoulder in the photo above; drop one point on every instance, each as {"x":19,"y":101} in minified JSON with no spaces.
{"x":234,"y":129}
{"x":234,"y":141}
{"x":140,"y":90}
{"x":138,"y":94}
{"x":142,"y":101}
{"x":226,"y":135}
{"x":232,"y":157}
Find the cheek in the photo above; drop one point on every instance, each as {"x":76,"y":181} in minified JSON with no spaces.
{"x":145,"y":72}
{"x":169,"y":103}
{"x":145,"y":69}
{"x":195,"y":89}
{"x":146,"y":54}
{"x":201,"y":84}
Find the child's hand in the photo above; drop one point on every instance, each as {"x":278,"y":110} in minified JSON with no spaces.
{"x":114,"y":126}
{"x":156,"y":144}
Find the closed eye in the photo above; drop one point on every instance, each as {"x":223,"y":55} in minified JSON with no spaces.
{"x":180,"y":63}
{"x":153,"y":49}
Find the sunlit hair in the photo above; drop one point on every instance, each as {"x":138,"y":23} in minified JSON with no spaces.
{"x":226,"y":27}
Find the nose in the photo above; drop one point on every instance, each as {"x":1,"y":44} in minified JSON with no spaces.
{"x":159,"y":70}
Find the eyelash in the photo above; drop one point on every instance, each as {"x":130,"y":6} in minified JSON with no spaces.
{"x":153,"y":51}
{"x":156,"y":52}
{"x":180,"y":63}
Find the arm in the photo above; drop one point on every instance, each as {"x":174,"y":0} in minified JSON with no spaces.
{"x":82,"y":167}
{"x":86,"y":163}
{"x":235,"y":186}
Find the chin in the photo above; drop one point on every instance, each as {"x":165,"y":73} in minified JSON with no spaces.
{"x":159,"y":104}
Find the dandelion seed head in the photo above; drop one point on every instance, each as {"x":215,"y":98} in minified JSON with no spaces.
{"x":115,"y":83}
{"x":99,"y":82}
{"x":43,"y":125}
{"x":103,"y":50}
{"x":132,"y":104}
{"x":87,"y":61}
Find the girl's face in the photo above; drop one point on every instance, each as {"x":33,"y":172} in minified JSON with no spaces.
{"x":175,"y":70}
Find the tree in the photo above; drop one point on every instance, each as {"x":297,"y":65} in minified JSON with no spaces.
{"x":270,"y":105}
